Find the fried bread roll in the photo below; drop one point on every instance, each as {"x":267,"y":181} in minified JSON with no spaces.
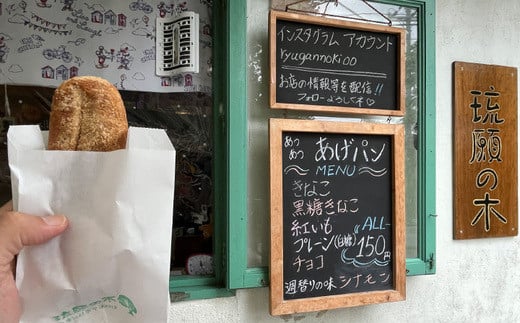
{"x":87,"y":113}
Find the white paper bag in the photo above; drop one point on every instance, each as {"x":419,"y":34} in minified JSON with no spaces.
{"x":112,"y":263}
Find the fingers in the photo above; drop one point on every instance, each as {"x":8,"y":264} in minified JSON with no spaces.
{"x":30,"y":230}
{"x":35,"y":230}
{"x":18,"y":230}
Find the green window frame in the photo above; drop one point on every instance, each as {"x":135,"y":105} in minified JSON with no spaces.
{"x":231,"y":164}
{"x":242,"y":276}
{"x":225,"y":106}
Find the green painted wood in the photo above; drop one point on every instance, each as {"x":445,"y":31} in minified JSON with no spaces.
{"x":237,"y":143}
{"x":198,"y":292}
{"x":428,"y":245}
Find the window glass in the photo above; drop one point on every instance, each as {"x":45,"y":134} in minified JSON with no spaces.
{"x":187,"y":119}
{"x":406,"y":18}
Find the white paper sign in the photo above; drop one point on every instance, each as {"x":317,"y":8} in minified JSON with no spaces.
{"x":112,"y":263}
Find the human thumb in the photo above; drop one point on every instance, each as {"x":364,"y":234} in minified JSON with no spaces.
{"x":19,"y":229}
{"x":35,"y":230}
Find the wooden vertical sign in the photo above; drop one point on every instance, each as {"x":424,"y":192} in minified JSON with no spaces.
{"x":485,"y":151}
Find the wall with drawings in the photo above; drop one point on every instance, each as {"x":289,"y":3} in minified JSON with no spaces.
{"x":43,"y":42}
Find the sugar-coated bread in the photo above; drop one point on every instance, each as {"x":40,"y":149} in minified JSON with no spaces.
{"x":87,"y":113}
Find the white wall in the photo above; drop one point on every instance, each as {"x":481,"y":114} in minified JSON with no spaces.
{"x":477,"y":280}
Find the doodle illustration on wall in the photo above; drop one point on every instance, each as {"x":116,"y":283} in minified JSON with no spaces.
{"x":54,"y":41}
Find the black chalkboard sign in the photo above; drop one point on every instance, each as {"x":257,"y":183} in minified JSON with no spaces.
{"x":336,"y":214}
{"x":335,"y":65}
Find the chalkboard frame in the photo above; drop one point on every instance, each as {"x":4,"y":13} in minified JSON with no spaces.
{"x":398,"y":110}
{"x":280,"y":306}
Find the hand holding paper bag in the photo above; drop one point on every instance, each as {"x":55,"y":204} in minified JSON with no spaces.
{"x":112,"y":264}
{"x":16,"y":231}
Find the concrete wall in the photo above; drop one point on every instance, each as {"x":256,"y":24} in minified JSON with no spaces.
{"x":476,"y":280}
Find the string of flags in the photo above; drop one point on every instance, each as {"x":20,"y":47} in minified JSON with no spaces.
{"x":47,"y":23}
{"x":47,"y":30}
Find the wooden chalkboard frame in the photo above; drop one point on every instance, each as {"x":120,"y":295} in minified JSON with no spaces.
{"x":398,"y":110}
{"x":278,"y":305}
